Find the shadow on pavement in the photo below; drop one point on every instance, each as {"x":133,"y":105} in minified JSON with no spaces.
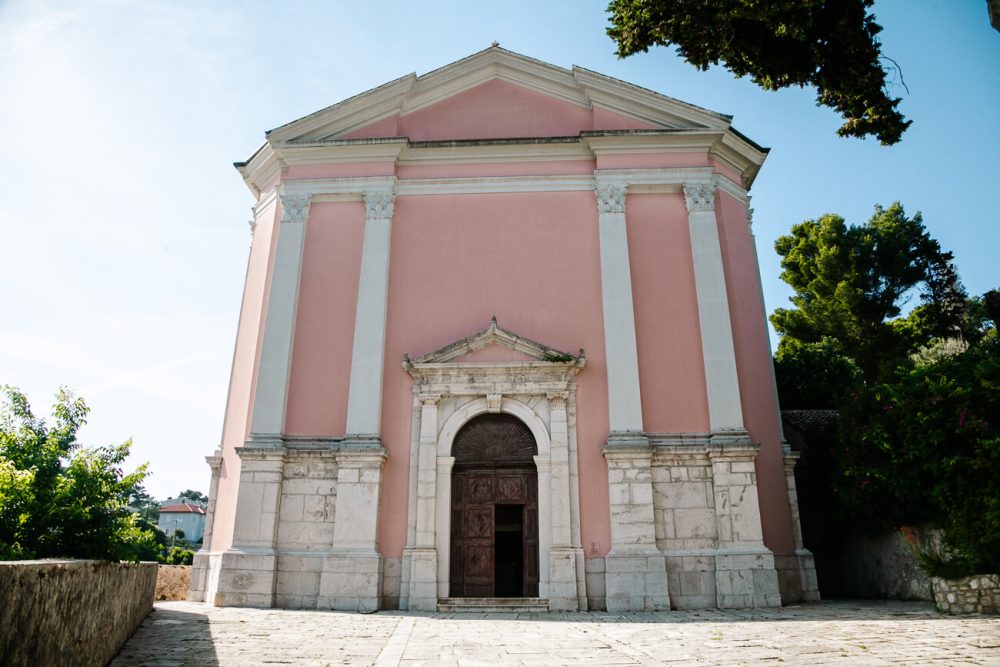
{"x":826,"y":611}
{"x":169,"y":637}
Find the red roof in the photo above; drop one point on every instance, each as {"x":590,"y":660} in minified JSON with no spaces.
{"x":183,"y":508}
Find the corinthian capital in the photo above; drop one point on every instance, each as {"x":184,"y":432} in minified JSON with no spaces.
{"x":610,"y":197}
{"x":379,"y":204}
{"x":700,"y":195}
{"x":294,"y":208}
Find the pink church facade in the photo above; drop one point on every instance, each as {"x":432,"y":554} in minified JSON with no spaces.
{"x":502,"y":335}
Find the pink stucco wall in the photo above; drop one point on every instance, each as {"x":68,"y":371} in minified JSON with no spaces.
{"x":541,"y":278}
{"x":473,"y":114}
{"x":515,"y":168}
{"x":236,"y":423}
{"x":324,"y":325}
{"x":753,"y":362}
{"x":671,"y":372}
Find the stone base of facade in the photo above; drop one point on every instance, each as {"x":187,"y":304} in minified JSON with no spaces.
{"x":797,"y":577}
{"x":745,"y":580}
{"x":246,"y":579}
{"x":351,"y":582}
{"x":204,"y":576}
{"x":636,"y":582}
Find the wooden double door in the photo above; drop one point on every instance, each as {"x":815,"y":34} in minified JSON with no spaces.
{"x":494,"y":532}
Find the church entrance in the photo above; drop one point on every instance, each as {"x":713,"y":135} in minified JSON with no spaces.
{"x":494,"y":505}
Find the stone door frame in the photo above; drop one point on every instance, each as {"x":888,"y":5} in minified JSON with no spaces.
{"x":446,"y":395}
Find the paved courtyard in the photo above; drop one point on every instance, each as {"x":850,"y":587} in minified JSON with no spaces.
{"x":855,"y":632}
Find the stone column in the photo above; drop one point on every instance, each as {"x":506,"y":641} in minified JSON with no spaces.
{"x":562,"y":557}
{"x":724,"y":408}
{"x":624,"y":406}
{"x":423,"y":556}
{"x":352,"y":572}
{"x":268,"y":421}
{"x":797,"y":574}
{"x":249,"y":567}
{"x":636,"y":572}
{"x":443,"y":539}
{"x":202,"y":565}
{"x":744,"y":567}
{"x":364,"y":401}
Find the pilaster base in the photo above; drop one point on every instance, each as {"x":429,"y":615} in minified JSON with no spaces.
{"x":423,"y":594}
{"x":746,"y":579}
{"x":246,"y":579}
{"x":351,"y":581}
{"x":636,"y":582}
{"x":797,"y":577}
{"x":563,"y":595}
{"x":204,"y":576}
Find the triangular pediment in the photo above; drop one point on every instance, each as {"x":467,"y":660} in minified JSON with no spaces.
{"x":485,"y":347}
{"x":394,"y":109}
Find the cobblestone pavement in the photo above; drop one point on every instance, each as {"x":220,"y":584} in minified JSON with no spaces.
{"x":855,"y":632}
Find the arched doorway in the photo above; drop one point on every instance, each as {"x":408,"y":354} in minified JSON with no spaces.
{"x":494,"y":509}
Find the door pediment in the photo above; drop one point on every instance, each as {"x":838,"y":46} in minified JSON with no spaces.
{"x":494,"y":336}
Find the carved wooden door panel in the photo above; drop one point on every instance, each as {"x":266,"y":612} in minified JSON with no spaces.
{"x":477,"y":533}
{"x":494,"y":509}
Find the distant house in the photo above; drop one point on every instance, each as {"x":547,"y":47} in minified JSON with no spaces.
{"x":184,"y":515}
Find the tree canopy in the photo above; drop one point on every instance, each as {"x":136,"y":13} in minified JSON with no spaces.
{"x":58,"y":499}
{"x":852,"y":282}
{"x":830,"y":45}
{"x":191,"y":494}
{"x":918,"y":440}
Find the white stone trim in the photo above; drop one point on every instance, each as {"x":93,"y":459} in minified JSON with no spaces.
{"x":624,"y":404}
{"x":446,"y":437}
{"x":539,"y":393}
{"x":274,"y":367}
{"x":364,"y":401}
{"x":667,"y":180}
{"x":721,"y":377}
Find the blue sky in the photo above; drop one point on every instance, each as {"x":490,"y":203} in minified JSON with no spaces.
{"x":123,"y":226}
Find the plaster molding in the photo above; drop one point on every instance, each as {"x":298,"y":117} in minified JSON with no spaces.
{"x":700,"y":195}
{"x":294,"y":207}
{"x":379,"y":204}
{"x":610,"y":197}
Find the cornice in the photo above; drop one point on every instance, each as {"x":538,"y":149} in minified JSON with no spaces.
{"x":358,"y":110}
{"x":624,"y":97}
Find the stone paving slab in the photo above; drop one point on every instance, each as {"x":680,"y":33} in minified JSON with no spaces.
{"x":855,"y":633}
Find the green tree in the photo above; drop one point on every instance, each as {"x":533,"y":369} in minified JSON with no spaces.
{"x":145,"y":504}
{"x":778,"y":43}
{"x":852,"y":282}
{"x":58,"y":499}
{"x":925,"y":447}
{"x":196,"y":496}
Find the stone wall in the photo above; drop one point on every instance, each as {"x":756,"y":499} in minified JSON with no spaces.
{"x":71,"y":613}
{"x":978,"y":594}
{"x":882,"y":566}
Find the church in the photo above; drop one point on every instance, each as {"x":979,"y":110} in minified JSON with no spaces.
{"x":502,"y":345}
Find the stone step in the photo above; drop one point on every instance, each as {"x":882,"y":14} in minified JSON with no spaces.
{"x":493,"y":605}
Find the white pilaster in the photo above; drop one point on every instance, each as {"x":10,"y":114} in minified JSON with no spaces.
{"x":724,"y":408}
{"x":279,"y":327}
{"x":364,"y":402}
{"x":624,"y":406}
